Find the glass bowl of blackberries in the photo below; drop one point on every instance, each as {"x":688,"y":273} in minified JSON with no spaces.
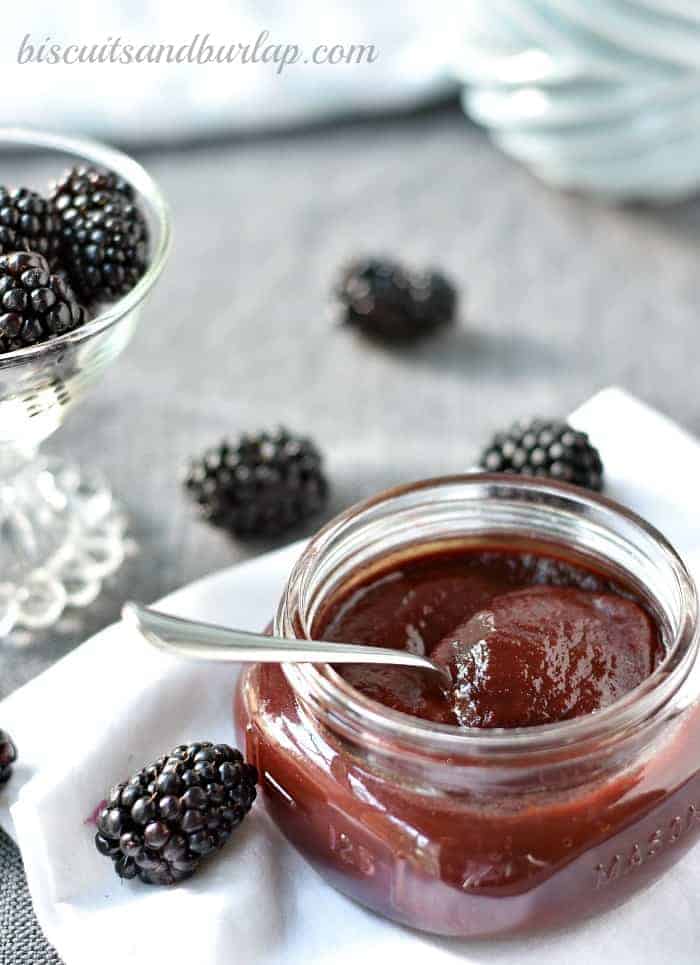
{"x":84,"y":235}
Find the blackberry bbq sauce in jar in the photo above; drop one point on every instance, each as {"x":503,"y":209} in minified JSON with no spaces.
{"x":552,"y":773}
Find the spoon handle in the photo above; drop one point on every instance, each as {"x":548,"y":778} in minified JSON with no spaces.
{"x":204,"y":641}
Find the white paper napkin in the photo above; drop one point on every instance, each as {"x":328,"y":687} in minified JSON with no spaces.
{"x":114,"y":704}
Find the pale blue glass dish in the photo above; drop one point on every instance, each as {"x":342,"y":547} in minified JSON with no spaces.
{"x":601,"y":97}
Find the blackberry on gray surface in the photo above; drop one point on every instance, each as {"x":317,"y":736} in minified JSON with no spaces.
{"x":384,"y":300}
{"x":262,"y":484}
{"x":35,"y":305}
{"x":103,"y":235}
{"x":8,"y":756}
{"x":158,"y":825}
{"x":549,"y":448}
{"x":27,"y":223}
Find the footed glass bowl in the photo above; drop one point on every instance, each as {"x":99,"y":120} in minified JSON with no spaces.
{"x":61,"y":532}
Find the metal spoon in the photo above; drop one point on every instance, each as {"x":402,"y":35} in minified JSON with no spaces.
{"x":204,"y":641}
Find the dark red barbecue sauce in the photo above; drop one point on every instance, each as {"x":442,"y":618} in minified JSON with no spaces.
{"x":530,"y":639}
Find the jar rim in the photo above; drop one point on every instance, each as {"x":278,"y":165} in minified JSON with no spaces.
{"x":342,"y":706}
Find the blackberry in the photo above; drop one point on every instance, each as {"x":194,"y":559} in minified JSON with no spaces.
{"x":8,"y":755}
{"x":83,"y":181}
{"x":262,"y":484}
{"x":103,"y":235}
{"x":382,"y":299}
{"x":34,"y":304}
{"x":158,"y":825}
{"x":545,"y":448}
{"x":27,"y":223}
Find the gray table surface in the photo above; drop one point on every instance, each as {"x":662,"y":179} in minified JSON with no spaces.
{"x":561,"y":296}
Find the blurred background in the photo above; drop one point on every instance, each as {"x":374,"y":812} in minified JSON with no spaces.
{"x":522,"y":148}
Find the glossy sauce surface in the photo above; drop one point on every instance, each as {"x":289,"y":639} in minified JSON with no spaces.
{"x":529,"y":639}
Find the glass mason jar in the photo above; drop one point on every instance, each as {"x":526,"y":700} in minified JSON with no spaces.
{"x":479,"y":832}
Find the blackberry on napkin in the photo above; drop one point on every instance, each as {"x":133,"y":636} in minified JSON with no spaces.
{"x":549,"y":448}
{"x":8,"y":755}
{"x":158,"y":825}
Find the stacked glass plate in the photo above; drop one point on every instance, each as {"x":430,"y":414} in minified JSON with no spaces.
{"x":598,"y":95}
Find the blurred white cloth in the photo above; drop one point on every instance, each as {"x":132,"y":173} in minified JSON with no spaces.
{"x":115,"y":703}
{"x":168,"y":102}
